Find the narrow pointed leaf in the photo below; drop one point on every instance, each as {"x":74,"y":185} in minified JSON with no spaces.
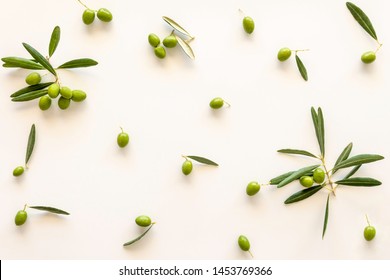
{"x":344,"y":155}
{"x":176,"y":26}
{"x":280,"y":178}
{"x":321,"y":128}
{"x":19,"y":62}
{"x":362,"y":19}
{"x":77,"y":63}
{"x":325,"y":218}
{"x":296,"y":152}
{"x":297,"y":174}
{"x":358,"y":160}
{"x":30,"y":143}
{"x":50,"y":209}
{"x":352,"y":172}
{"x":31,"y":88}
{"x":138,"y":238}
{"x":301,"y":68}
{"x":203,"y":160}
{"x":359,"y":182}
{"x":40,"y":58}
{"x":186,"y":47}
{"x":301,"y":195}
{"x":30,"y":95}
{"x":54,"y":40}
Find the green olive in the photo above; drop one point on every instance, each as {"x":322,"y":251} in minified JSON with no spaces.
{"x":66,"y":92}
{"x":143,"y":221}
{"x":104,"y":15}
{"x":216,"y":103}
{"x":78,"y":95}
{"x":243,"y":242}
{"x":284,"y":54}
{"x":318,"y":175}
{"x":154,"y":40}
{"x":20,"y":217}
{"x":369,"y":233}
{"x":63,"y":103}
{"x":44,"y":102}
{"x":122,"y":139}
{"x":252,"y":188}
{"x":248,"y":24}
{"x":33,"y":78}
{"x":160,"y":52}
{"x":18,"y":171}
{"x":306,"y":181}
{"x":53,"y":90}
{"x":186,"y":168}
{"x":170,"y":41}
{"x":368,"y":57}
{"x":88,"y":16}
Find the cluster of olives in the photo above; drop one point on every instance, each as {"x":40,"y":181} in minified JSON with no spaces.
{"x":218,"y":103}
{"x":103,"y":14}
{"x":318,"y":177}
{"x":168,"y":42}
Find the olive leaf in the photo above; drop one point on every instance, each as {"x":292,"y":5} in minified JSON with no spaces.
{"x":176,"y":26}
{"x":297,"y":174}
{"x":352,"y":172}
{"x":326,"y":217}
{"x":280,"y":178}
{"x":318,"y":121}
{"x":301,"y":68}
{"x":54,"y":40}
{"x":301,"y":195}
{"x":30,"y":95}
{"x":359,"y":182}
{"x":203,"y":160}
{"x":31,"y":88}
{"x":358,"y":160}
{"x":297,"y":152}
{"x":40,"y":58}
{"x":30,"y":143}
{"x":343,"y":156}
{"x":77,"y":63}
{"x":139,"y":237}
{"x":19,"y":62}
{"x":186,"y":47}
{"x":362,"y":19}
{"x":50,"y":209}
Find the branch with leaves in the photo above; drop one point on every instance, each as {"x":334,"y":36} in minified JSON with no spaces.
{"x":285,"y":53}
{"x":21,"y":215}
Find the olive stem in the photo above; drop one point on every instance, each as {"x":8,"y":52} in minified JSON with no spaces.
{"x":304,"y":50}
{"x":241,"y":12}
{"x":25,"y":206}
{"x":189,"y":40}
{"x":328,"y":176}
{"x":368,"y":222}
{"x":249,"y":251}
{"x":83,"y":4}
{"x":378,"y":48}
{"x":185,"y":157}
{"x":227,"y":103}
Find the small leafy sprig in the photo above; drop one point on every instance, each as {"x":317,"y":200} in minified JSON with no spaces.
{"x":21,"y":215}
{"x":30,"y":147}
{"x":142,"y":221}
{"x":285,"y":53}
{"x":89,"y":14}
{"x":187,"y":166}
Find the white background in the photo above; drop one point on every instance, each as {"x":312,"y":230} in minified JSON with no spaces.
{"x":163,"y":105}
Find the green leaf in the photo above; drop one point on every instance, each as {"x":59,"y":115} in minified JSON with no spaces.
{"x":296,"y":152}
{"x":19,"y":62}
{"x":77,"y":63}
{"x":30,"y":143}
{"x":176,"y":26}
{"x":139,"y":237}
{"x":186,"y":47}
{"x":352,"y":172}
{"x":31,"y":88}
{"x":50,"y":209}
{"x":280,"y":178}
{"x":358,"y":160}
{"x":301,"y":195}
{"x":203,"y":160}
{"x":297,"y":174}
{"x":343,"y":156}
{"x":54,"y":40}
{"x":301,"y":67}
{"x":30,"y":95}
{"x":325,"y":218}
{"x":362,"y":19}
{"x":359,"y":182}
{"x":40,"y":58}
{"x":318,"y":121}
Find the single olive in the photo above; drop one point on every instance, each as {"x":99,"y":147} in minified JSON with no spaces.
{"x":368,"y":57}
{"x":186,"y":168}
{"x":104,"y":15}
{"x":154,"y":40}
{"x":122,"y":139}
{"x":252,"y":188}
{"x":78,"y":95}
{"x":284,"y":54}
{"x":20,"y":217}
{"x":170,"y":41}
{"x":63,"y":103}
{"x":66,"y":92}
{"x":143,"y":221}
{"x":318,"y":175}
{"x":18,"y":171}
{"x":243,"y":242}
{"x":306,"y":181}
{"x":88,"y":16}
{"x":248,"y":24}
{"x":160,"y":52}
{"x":33,"y":78}
{"x":369,"y":233}
{"x":53,"y":90}
{"x":216,"y":103}
{"x":44,"y":102}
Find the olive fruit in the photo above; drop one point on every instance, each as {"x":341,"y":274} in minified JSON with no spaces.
{"x":319,"y":175}
{"x":18,"y":171}
{"x":44,"y":102}
{"x":252,"y":188}
{"x":20,"y":217}
{"x":63,"y":103}
{"x":33,"y":78}
{"x":369,"y":233}
{"x":104,"y":15}
{"x":248,"y":24}
{"x":306,"y":181}
{"x":368,"y":57}
{"x":160,"y":52}
{"x":88,"y":16}
{"x":186,"y":168}
{"x":170,"y":41}
{"x":216,"y":103}
{"x":243,"y":242}
{"x":154,"y":40}
{"x":66,"y":92}
{"x":53,"y":90}
{"x":284,"y":54}
{"x":143,"y":221}
{"x":122,"y":139}
{"x":78,"y":95}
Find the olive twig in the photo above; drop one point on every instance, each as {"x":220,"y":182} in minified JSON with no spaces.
{"x":379,"y":47}
{"x":83,"y":4}
{"x":368,"y":222}
{"x":304,"y":50}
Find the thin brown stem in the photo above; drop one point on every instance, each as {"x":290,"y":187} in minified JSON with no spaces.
{"x":328,"y":175}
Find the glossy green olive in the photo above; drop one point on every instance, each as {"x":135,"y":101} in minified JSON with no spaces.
{"x":252,"y":188}
{"x":170,"y":41}
{"x":243,"y":242}
{"x":160,"y":52}
{"x":123,"y":139}
{"x":104,"y":15}
{"x":186,"y":167}
{"x":369,"y":233}
{"x":44,"y":102}
{"x":78,"y":95}
{"x":154,"y":40}
{"x":284,"y":54}
{"x":306,"y":181}
{"x":18,"y":171}
{"x":63,"y":103}
{"x":143,"y":221}
{"x":53,"y":90}
{"x":319,"y":175}
{"x":88,"y":16}
{"x":216,"y":103}
{"x":20,"y":217}
{"x":368,"y":57}
{"x":33,"y":78}
{"x":248,"y":24}
{"x":66,"y":92}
